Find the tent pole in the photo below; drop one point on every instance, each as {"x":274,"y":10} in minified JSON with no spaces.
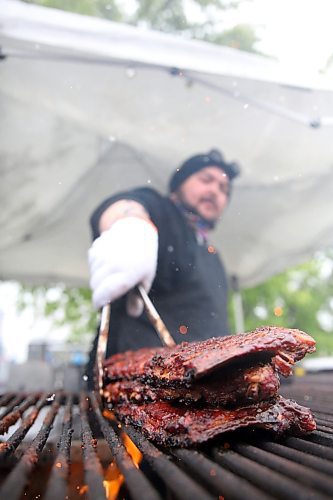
{"x":237,"y":304}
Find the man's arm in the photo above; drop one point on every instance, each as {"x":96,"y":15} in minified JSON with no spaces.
{"x":119,"y":210}
{"x":124,"y":255}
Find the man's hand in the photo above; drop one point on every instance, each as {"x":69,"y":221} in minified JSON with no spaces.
{"x":122,"y":257}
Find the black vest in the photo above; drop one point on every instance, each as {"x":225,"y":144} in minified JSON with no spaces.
{"x":190,"y":287}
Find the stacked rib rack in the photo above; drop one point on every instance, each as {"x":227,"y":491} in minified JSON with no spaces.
{"x":193,"y":392}
{"x":41,"y":462}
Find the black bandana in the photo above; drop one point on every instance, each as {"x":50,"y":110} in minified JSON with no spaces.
{"x":214,"y":159}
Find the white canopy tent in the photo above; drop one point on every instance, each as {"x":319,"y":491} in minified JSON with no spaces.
{"x":90,"y":107}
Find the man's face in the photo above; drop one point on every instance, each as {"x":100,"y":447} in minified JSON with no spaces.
{"x":206,"y":192}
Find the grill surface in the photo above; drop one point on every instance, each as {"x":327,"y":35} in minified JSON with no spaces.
{"x":61,"y":446}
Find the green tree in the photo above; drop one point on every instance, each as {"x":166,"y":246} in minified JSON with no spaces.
{"x":64,"y":306}
{"x":170,"y":16}
{"x":107,"y":9}
{"x":240,"y":37}
{"x":301,"y":297}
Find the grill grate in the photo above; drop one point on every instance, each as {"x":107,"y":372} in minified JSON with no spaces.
{"x":77,"y":452}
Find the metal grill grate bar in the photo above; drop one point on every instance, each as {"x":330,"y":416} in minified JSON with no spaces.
{"x":324,"y":419}
{"x":17,"y":479}
{"x":12,"y":417}
{"x":300,"y":457}
{"x":324,"y":415}
{"x":13,"y":403}
{"x":324,"y":428}
{"x":323,"y":408}
{"x":4,"y":400}
{"x":320,"y":438}
{"x":136,"y":482}
{"x":313,"y":479}
{"x":248,"y":466}
{"x":224,"y":482}
{"x":316,"y":449}
{"x":268,"y":480}
{"x":93,"y":472}
{"x":14,"y":440}
{"x":176,"y":480}
{"x":58,"y":483}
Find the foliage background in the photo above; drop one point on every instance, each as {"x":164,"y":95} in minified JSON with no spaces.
{"x":169,"y":16}
{"x":301,"y":297}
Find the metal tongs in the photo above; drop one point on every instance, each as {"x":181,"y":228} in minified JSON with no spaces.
{"x":155,"y":319}
{"x":101,"y":347}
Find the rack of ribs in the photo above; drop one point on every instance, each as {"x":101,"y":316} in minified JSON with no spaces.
{"x":193,"y":392}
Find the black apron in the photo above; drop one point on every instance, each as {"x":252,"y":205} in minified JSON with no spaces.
{"x":189,"y":291}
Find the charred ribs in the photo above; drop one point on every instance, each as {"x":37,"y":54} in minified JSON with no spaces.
{"x":193,"y":392}
{"x":172,"y":425}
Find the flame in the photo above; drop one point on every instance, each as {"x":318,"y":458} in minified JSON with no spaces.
{"x":132,"y":450}
{"x":113,"y":479}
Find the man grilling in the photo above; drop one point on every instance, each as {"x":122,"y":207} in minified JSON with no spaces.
{"x":161,"y":242}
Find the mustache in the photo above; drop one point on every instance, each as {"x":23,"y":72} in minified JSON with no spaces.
{"x":209,"y":199}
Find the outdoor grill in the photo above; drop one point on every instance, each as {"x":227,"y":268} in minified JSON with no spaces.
{"x":57,"y":446}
